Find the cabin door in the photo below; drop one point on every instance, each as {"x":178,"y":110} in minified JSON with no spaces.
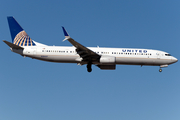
{"x":158,"y":55}
{"x":34,"y":51}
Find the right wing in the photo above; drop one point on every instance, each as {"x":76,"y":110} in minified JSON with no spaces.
{"x":85,"y":53}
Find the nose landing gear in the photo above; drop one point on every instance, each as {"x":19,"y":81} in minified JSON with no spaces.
{"x":162,"y":66}
{"x":160,"y":70}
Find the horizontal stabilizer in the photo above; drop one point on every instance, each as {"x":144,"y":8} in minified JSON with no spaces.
{"x":13,"y":45}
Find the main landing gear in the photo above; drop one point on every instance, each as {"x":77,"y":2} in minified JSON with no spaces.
{"x":89,"y":67}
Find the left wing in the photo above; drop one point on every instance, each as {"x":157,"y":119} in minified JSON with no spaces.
{"x":85,"y":53}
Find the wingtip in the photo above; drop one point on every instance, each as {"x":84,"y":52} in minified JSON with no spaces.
{"x":65,"y":32}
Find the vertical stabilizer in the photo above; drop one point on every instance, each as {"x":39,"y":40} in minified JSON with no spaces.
{"x":18,"y":35}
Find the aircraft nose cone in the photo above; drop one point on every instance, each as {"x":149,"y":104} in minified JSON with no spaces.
{"x":174,"y":59}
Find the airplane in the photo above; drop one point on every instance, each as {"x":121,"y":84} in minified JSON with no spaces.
{"x":104,"y":58}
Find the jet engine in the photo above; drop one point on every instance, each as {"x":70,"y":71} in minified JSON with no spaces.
{"x":107,"y":60}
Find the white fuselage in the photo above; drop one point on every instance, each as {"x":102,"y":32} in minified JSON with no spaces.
{"x":104,"y":58}
{"x":129,"y":56}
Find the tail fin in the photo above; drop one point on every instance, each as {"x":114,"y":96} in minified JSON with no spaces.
{"x":18,"y":35}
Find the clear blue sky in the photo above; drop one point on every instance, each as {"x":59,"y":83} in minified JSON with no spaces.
{"x":38,"y":90}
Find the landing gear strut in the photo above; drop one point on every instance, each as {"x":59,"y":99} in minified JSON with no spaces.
{"x":89,"y":67}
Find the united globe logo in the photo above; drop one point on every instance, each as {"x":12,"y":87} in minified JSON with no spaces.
{"x":23,"y":39}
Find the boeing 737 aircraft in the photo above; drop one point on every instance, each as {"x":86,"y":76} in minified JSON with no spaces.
{"x":104,"y":58}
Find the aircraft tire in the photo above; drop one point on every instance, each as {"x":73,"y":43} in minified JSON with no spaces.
{"x":160,"y":70}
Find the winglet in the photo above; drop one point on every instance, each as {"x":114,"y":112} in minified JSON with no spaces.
{"x":65,"y":34}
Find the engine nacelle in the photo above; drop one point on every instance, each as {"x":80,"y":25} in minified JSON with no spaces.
{"x":107,"y":60}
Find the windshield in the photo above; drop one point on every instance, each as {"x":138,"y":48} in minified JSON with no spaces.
{"x":167,"y":55}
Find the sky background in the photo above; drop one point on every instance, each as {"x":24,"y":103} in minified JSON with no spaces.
{"x":37,"y":90}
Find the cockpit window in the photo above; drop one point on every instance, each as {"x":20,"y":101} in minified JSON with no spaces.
{"x":167,"y":55}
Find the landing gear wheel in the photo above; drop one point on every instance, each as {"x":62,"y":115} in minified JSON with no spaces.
{"x":160,"y":70}
{"x":89,"y":69}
